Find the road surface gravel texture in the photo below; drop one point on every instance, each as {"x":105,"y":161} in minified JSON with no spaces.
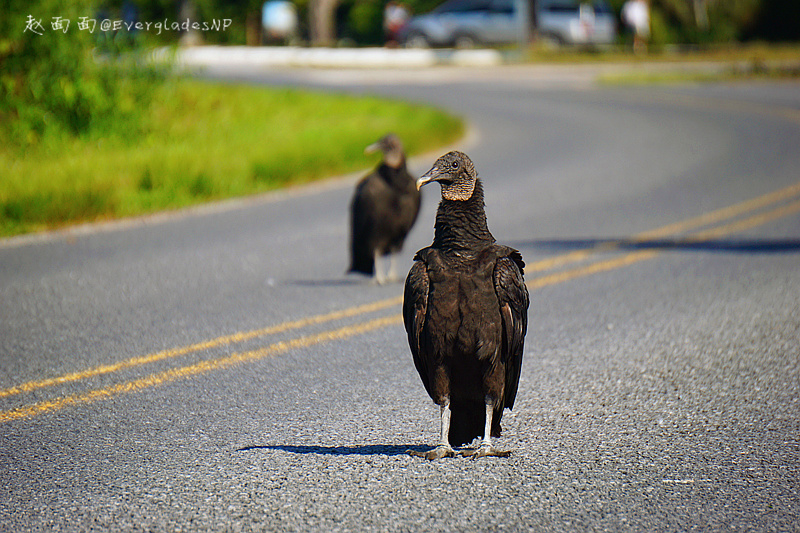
{"x":216,"y":370}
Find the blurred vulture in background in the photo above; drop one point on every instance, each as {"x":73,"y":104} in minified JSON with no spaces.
{"x":384,"y":208}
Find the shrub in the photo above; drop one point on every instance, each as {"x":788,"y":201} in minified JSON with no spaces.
{"x":66,"y":81}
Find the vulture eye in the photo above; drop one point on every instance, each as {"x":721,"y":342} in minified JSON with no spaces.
{"x":454,"y":164}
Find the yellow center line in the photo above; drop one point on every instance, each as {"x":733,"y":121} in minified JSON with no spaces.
{"x":201,"y":346}
{"x":594,"y":268}
{"x":202,"y":367}
{"x":725,"y":213}
{"x":641,"y":255}
{"x":747,"y":223}
{"x":705,"y":219}
{"x":538,"y":282}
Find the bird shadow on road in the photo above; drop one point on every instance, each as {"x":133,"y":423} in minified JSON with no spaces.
{"x":349,"y":281}
{"x":323,"y":282}
{"x":744,"y":246}
{"x":372,"y":449}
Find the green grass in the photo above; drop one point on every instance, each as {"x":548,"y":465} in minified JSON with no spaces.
{"x":755,"y":52}
{"x":733,"y":73}
{"x":206,"y":142}
{"x":681,"y":64}
{"x":727,"y":71}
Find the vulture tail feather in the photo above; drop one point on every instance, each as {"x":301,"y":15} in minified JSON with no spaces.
{"x":361,"y":258}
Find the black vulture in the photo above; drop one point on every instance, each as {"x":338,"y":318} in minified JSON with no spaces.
{"x":465,"y":308}
{"x":384,"y":208}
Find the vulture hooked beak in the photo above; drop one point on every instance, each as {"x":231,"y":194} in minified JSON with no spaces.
{"x":372,"y":148}
{"x":431,"y":175}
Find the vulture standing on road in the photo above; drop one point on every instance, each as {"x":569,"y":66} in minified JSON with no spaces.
{"x":385,"y":206}
{"x":465,"y":309}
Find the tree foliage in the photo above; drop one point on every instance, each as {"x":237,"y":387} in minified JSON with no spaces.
{"x":720,"y":21}
{"x":361,"y":21}
{"x":65,"y":80}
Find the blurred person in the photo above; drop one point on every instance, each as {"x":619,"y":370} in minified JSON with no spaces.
{"x":636,"y":15}
{"x":279,"y":22}
{"x":395,"y":16}
{"x":187,"y":12}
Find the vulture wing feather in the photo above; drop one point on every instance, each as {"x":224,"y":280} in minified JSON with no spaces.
{"x":512,"y":296}
{"x":415,"y":308}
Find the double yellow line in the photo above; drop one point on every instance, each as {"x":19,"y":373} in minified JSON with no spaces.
{"x":734,"y":216}
{"x":730,"y":220}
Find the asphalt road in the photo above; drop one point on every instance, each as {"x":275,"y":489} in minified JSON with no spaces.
{"x":216,"y":370}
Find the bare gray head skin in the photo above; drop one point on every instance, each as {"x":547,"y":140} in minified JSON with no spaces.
{"x":456,"y":174}
{"x":391,"y":147}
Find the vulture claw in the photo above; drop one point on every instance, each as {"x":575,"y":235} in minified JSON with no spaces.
{"x":484,"y":451}
{"x":437,"y":453}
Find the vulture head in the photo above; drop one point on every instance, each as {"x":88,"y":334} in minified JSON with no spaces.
{"x":456,"y":173}
{"x":392,"y":150}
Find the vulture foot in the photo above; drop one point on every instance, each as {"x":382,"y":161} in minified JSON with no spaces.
{"x":434,"y":454}
{"x":385,"y":279}
{"x":485,"y":451}
{"x":392,"y":277}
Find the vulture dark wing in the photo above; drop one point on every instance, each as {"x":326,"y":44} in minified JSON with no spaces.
{"x":364,"y":201}
{"x":362,"y":221}
{"x":415,"y":307}
{"x":512,"y":295}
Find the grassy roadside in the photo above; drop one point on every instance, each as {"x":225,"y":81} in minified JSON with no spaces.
{"x":680,"y":64}
{"x":204,"y":142}
{"x":755,"y":52}
{"x":687,"y":75}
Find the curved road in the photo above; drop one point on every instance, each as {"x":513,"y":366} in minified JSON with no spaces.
{"x":215,"y":370}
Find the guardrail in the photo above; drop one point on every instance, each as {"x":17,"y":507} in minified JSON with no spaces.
{"x":290,"y":56}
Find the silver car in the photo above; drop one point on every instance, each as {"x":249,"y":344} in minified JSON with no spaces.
{"x":469,"y":23}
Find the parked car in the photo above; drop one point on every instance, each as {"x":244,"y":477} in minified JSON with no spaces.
{"x":574,"y":22}
{"x":469,"y":23}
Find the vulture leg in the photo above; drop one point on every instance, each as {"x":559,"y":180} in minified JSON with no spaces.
{"x":380,"y":279}
{"x":443,"y":449}
{"x":392,"y":275}
{"x":486,"y":449}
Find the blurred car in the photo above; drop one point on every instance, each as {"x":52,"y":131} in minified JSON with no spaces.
{"x":574,"y":22}
{"x":470,"y":23}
